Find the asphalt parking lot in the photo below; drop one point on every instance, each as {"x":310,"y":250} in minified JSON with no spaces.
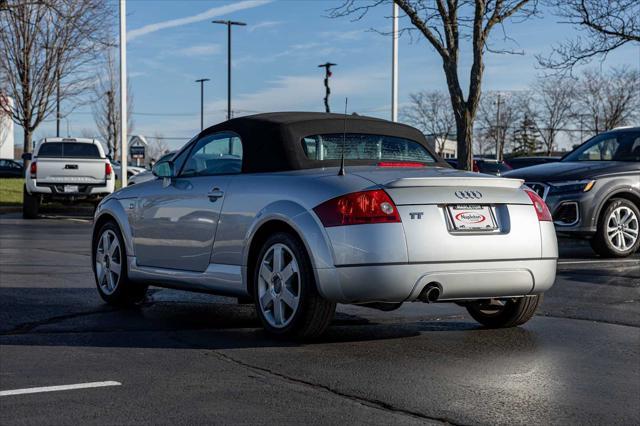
{"x":185,"y":358}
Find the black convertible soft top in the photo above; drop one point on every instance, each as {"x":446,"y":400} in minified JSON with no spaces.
{"x":272,"y":141}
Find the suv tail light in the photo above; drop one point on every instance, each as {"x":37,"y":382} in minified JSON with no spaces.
{"x":108,"y":170}
{"x":33,"y":169}
{"x":475,"y":167}
{"x":540,"y":206}
{"x":358,"y":208}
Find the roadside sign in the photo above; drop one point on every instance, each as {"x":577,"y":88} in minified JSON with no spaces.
{"x":137,"y":152}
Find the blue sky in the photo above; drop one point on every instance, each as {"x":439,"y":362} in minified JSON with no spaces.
{"x":172,"y":43}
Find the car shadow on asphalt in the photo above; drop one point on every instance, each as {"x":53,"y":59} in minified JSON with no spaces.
{"x":77,"y":317}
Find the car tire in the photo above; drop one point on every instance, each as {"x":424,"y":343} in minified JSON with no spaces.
{"x":285,"y":294}
{"x":113,"y":282}
{"x":620,"y":221}
{"x":509,"y":313}
{"x":30,"y":204}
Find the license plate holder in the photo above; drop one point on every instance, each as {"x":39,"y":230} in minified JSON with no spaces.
{"x":472,"y":218}
{"x":70,"y":188}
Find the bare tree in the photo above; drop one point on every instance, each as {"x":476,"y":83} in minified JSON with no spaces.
{"x":605,"y":26}
{"x":43,"y":44}
{"x":106,"y":107}
{"x":444,"y":24}
{"x":551,"y":108}
{"x":498,"y":113}
{"x":157,"y":147}
{"x":606,"y":101}
{"x":431,"y":113}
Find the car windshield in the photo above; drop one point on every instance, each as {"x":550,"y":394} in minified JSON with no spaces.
{"x":619,"y":146}
{"x":364,"y":147}
{"x":68,"y":150}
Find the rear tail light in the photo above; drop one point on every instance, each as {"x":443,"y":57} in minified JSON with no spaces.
{"x":399,"y":164}
{"x":108,"y":170}
{"x":540,"y":206}
{"x":475,"y":167}
{"x":33,"y":169}
{"x":358,"y":208}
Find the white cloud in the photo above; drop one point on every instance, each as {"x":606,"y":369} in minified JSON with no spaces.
{"x":200,"y":50}
{"x":203,"y":16}
{"x":264,"y":24}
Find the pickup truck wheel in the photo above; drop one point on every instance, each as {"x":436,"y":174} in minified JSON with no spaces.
{"x":110,"y":269}
{"x":30,"y":204}
{"x":284,"y":290}
{"x":618,"y":227}
{"x":504,"y":313}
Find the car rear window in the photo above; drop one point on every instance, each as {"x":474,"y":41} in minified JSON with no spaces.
{"x":68,"y":150}
{"x":364,"y":147}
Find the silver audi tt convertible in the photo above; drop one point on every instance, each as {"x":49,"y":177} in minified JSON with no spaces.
{"x":300,"y":211}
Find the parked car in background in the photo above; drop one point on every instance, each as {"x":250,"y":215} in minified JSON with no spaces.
{"x":594,"y":191}
{"x":484,"y":165}
{"x":262,"y":207}
{"x":148,"y":175}
{"x":69,"y":170}
{"x":131,"y":170}
{"x":10,"y":169}
{"x":520,"y":162}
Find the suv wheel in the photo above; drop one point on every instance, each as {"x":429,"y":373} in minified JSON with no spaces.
{"x":503,"y":313}
{"x":618,"y":227}
{"x":284,"y":290}
{"x":30,"y":204}
{"x":110,"y":269}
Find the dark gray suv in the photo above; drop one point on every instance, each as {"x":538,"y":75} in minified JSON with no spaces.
{"x":594,"y":191}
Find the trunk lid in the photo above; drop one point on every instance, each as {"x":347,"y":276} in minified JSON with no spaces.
{"x":428,"y":199}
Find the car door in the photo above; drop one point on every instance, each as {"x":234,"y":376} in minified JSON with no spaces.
{"x":176,"y":224}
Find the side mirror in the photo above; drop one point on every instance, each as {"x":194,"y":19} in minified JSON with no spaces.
{"x":26,"y":156}
{"x":164,"y":170}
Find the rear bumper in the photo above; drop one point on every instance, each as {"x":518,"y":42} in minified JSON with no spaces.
{"x":459,"y":280}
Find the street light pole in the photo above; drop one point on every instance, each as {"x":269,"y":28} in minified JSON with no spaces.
{"x":123,"y":92}
{"x":201,"y":81}
{"x":229,"y":24}
{"x":394,"y":64}
{"x":58,"y":103}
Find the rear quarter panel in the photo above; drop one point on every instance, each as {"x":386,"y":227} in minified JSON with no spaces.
{"x":254,"y":199}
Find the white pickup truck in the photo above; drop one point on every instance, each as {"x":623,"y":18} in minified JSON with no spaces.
{"x":68,"y":170}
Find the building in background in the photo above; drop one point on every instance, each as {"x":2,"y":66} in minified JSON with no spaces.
{"x":450,"y":149}
{"x":6,"y":130}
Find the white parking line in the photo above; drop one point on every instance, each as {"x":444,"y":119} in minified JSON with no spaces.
{"x":59,"y":388}
{"x":574,"y":262}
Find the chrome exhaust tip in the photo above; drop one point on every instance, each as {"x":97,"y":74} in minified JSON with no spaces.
{"x":430,"y":293}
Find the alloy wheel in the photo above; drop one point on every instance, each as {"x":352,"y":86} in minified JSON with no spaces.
{"x":279,"y":285}
{"x":622,"y":228}
{"x":108,"y":262}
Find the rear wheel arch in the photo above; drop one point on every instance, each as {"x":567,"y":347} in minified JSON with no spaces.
{"x":260,"y":236}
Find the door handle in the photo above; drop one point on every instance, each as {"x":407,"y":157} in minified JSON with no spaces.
{"x":215,"y":194}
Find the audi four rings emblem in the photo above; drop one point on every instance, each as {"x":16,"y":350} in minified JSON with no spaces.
{"x":468,"y":195}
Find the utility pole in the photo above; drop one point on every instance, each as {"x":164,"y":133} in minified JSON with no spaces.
{"x":201,"y":81}
{"x":394,"y":64}
{"x":498,"y":130}
{"x":123,"y":93}
{"x":327,"y":91}
{"x":229,"y":24}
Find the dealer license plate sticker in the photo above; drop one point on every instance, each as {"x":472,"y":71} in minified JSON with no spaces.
{"x":472,"y":218}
